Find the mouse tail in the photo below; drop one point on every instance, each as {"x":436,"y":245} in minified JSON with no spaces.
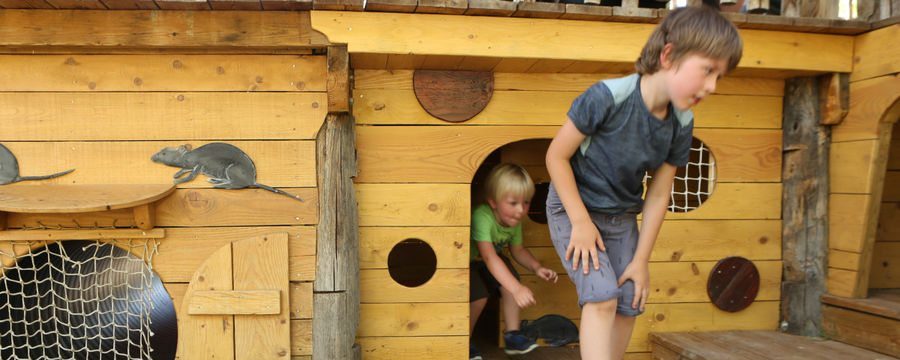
{"x":274,"y":190}
{"x":45,"y":177}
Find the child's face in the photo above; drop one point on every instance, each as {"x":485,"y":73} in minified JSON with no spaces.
{"x":509,"y":209}
{"x":693,"y":78}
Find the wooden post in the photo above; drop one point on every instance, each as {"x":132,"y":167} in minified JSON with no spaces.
{"x":144,"y":216}
{"x":338,"y":82}
{"x":834,"y":97}
{"x":805,"y":208}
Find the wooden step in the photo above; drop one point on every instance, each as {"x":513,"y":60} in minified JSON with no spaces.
{"x":872,"y":323}
{"x":755,"y":345}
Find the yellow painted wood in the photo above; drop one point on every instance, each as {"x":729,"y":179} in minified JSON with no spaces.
{"x":874,"y":56}
{"x":869,"y":100}
{"x":842,"y":282}
{"x":151,"y":72}
{"x":697,"y":240}
{"x":84,"y":234}
{"x":738,"y":201}
{"x":184,"y":249}
{"x":301,"y":300}
{"x":301,"y":337}
{"x":535,"y":38}
{"x":207,"y":336}
{"x":139,"y":29}
{"x":847,"y":220}
{"x":278,"y":163}
{"x":397,"y":107}
{"x":418,"y":347}
{"x":197,"y":207}
{"x":431,"y":153}
{"x":161,"y":115}
{"x":453,"y":154}
{"x":27,"y":198}
{"x":446,"y":285}
{"x":235,"y":302}
{"x":262,"y":263}
{"x":844,"y":260}
{"x":854,"y":166}
{"x":413,"y":319}
{"x":450,"y":244}
{"x":413,"y":204}
{"x":368,"y":61}
{"x":889,"y":217}
{"x":671,"y":282}
{"x":885,"y":271}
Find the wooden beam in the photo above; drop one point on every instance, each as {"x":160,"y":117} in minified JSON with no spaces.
{"x":235,"y":302}
{"x":140,"y":29}
{"x":338,"y":83}
{"x":805,"y":205}
{"x":333,"y":336}
{"x":79,"y":234}
{"x":514,"y":38}
{"x":834,"y":98}
{"x":144,"y":216}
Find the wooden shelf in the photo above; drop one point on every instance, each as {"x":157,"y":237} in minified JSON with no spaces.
{"x":53,"y":198}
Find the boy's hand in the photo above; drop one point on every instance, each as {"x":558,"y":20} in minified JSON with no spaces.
{"x":546,"y":274}
{"x":523,"y":296}
{"x":583,"y":245}
{"x":639,"y":273}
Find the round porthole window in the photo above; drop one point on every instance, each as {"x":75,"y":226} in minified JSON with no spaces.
{"x":695,"y":182}
{"x":412,"y":262}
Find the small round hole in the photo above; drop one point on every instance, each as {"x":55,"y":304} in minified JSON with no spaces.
{"x":412,"y":262}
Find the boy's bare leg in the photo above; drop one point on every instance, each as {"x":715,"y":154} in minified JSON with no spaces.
{"x":621,"y":334}
{"x":596,"y":330}
{"x":510,"y":310}
{"x":475,"y":308}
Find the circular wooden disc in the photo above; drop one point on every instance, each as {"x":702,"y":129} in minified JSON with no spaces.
{"x":453,"y":96}
{"x":733,"y":284}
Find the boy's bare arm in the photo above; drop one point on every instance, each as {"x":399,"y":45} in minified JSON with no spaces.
{"x":524,"y":257}
{"x":561,"y":149}
{"x":654,"y":211}
{"x":496,"y":266}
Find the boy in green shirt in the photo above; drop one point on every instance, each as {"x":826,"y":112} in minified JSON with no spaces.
{"x":495,"y":226}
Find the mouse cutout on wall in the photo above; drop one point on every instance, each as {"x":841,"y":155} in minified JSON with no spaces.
{"x":9,"y":169}
{"x":227,"y":166}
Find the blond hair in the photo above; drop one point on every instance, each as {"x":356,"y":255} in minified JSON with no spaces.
{"x":693,"y":29}
{"x":508,"y":179}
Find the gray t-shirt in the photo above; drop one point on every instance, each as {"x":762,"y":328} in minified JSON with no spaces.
{"x":624,"y":140}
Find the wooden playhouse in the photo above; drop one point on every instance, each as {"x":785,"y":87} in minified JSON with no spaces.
{"x":325,"y":97}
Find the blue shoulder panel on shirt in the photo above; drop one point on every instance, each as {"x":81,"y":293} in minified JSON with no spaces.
{"x":684,"y":117}
{"x":621,"y":88}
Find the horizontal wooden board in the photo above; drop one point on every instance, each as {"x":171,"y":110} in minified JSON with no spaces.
{"x":413,"y":319}
{"x":841,"y":282}
{"x":197,"y":207}
{"x":184,"y":249}
{"x":400,"y":107}
{"x":450,"y":245}
{"x":871,"y":56}
{"x":847,"y":219}
{"x":414,"y":347}
{"x":446,"y":285}
{"x":889,"y":222}
{"x":696,"y":240}
{"x":50,"y":235}
{"x":671,"y":282}
{"x":163,"y":72}
{"x":413,"y":204}
{"x":176,"y":29}
{"x":511,"y":37}
{"x":432,"y":154}
{"x":301,"y":300}
{"x":845,"y":260}
{"x":885,"y":271}
{"x":402,"y":80}
{"x":235,"y":302}
{"x":738,"y":201}
{"x":278,"y":163}
{"x":35,"y":116}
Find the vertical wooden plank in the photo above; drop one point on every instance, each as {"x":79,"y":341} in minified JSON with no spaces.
{"x":834,"y":99}
{"x":328,"y":168}
{"x":338,"y":84}
{"x":872,"y":214}
{"x":144,"y":216}
{"x":207,"y":336}
{"x":261,"y":263}
{"x":347,"y":239}
{"x":331,"y":339}
{"x":805,"y":207}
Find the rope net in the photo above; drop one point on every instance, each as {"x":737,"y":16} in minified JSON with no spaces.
{"x":694,"y":182}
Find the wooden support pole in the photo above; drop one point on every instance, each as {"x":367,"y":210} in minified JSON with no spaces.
{"x":144,"y":216}
{"x":804,"y":208}
{"x":338,"y":81}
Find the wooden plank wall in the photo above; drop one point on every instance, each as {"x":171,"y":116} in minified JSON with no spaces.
{"x":858,"y":159}
{"x":414,"y":175}
{"x":105,"y":115}
{"x":885,"y":273}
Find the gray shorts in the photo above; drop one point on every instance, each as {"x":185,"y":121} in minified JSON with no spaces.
{"x":620,"y":235}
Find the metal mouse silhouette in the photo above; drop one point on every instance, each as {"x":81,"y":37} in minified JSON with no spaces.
{"x":227,"y":166}
{"x":9,"y":169}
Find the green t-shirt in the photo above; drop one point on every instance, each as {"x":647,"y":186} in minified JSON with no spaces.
{"x":486,"y":228}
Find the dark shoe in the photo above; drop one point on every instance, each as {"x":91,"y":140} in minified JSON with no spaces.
{"x":474,"y":354}
{"x":518,"y":344}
